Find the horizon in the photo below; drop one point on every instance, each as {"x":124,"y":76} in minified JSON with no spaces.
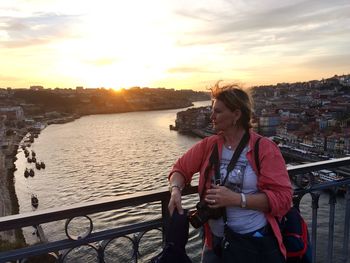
{"x":170,"y":44}
{"x":203,"y":90}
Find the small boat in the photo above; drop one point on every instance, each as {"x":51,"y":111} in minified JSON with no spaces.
{"x":33,"y":154}
{"x":42,"y":164}
{"x":38,"y":165}
{"x":26,"y":173}
{"x":31,"y":172}
{"x":328,"y":176}
{"x":33,"y":159}
{"x":29,"y":160}
{"x":35,"y":201}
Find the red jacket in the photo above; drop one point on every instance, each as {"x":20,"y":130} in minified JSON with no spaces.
{"x":273,"y":178}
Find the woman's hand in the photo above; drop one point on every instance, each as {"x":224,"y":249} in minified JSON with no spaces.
{"x":220,"y":196}
{"x":175,"y":201}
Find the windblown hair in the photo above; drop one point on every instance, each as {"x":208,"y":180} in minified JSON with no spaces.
{"x":234,"y":97}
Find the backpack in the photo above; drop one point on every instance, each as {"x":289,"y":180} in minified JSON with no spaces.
{"x":295,"y":236}
{"x":293,"y":228}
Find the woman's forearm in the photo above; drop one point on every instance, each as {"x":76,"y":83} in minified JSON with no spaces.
{"x":176,"y":180}
{"x":258,"y":201}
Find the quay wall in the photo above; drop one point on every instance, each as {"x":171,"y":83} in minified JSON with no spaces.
{"x":9,"y":202}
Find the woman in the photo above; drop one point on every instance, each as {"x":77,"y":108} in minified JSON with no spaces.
{"x":252,"y":199}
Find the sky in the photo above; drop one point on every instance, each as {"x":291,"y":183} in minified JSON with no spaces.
{"x":181,"y":44}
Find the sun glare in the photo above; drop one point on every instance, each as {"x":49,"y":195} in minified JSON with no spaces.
{"x":117,"y":50}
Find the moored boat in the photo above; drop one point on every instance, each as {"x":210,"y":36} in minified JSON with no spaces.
{"x":35,"y":201}
{"x":327,"y":176}
{"x":38,"y":165}
{"x":330,"y":176}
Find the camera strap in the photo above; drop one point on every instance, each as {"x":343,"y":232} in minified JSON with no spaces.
{"x":236,"y":155}
{"x":214,"y":161}
{"x":232,"y":165}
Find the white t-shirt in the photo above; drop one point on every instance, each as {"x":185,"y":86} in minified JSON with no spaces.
{"x":242,"y":179}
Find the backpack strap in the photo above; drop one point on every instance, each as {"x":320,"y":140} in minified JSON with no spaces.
{"x":256,"y":154}
{"x":213,"y":162}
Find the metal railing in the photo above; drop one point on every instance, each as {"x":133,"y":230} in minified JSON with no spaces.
{"x":98,"y":241}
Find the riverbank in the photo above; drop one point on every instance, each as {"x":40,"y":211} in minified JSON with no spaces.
{"x":9,"y":204}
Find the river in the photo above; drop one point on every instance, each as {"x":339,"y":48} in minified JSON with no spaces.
{"x":101,"y":156}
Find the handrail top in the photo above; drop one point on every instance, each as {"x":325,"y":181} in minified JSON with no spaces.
{"x":153,"y":194}
{"x":110,"y":203}
{"x":314,"y":166}
{"x":85,"y":208}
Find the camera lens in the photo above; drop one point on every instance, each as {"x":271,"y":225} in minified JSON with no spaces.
{"x":195,"y":219}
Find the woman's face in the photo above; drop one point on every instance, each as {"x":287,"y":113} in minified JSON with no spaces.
{"x":222,"y":117}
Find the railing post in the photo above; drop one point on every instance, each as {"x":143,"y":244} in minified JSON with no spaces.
{"x":165,"y":215}
{"x":332,"y":202}
{"x":135,"y":243}
{"x":346,"y":225}
{"x":297,"y":200}
{"x":315,"y":199}
{"x":100,"y":254}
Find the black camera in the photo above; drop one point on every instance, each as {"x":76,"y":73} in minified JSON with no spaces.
{"x":203,"y":213}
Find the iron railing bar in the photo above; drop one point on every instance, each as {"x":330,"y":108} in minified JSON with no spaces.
{"x":81,"y":209}
{"x":322,"y":186}
{"x":69,"y":244}
{"x":160,"y":196}
{"x":315,"y":206}
{"x":314,"y":166}
{"x":346,"y":225}
{"x":107,"y":204}
{"x":332,"y":202}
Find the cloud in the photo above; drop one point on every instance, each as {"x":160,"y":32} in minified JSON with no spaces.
{"x":329,"y":62}
{"x":190,"y":70}
{"x":38,"y":29}
{"x":8,"y":78}
{"x":298,"y":14}
{"x":102,"y":61}
{"x":248,"y":27}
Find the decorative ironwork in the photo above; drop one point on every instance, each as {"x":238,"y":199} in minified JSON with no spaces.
{"x":84,"y":235}
{"x":134,"y":242}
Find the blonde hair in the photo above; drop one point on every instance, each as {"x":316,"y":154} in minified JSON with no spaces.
{"x":234,"y":97}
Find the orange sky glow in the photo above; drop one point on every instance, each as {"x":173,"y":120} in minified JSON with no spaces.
{"x":171,"y":43}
